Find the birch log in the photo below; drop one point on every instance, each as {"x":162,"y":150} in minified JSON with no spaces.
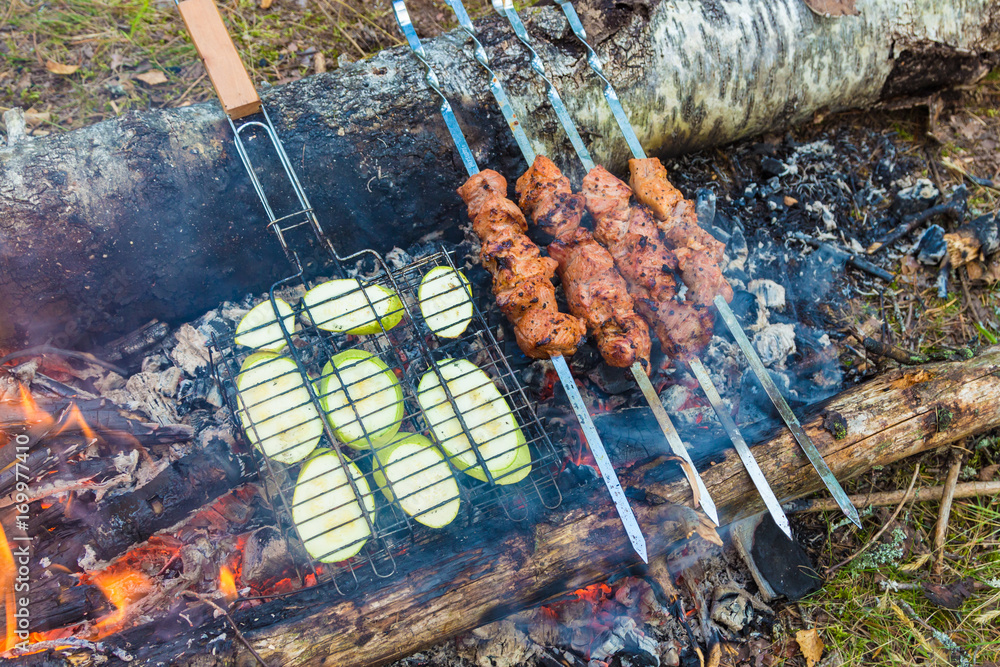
{"x":150,"y":214}
{"x":485,"y":574}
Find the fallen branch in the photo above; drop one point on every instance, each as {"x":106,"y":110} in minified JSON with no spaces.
{"x":941,"y":530}
{"x":926,"y":494}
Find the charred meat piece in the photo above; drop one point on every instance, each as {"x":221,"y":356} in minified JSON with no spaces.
{"x":521,"y":276}
{"x":544,"y":194}
{"x":676,"y":215}
{"x":598,"y":294}
{"x":647,"y":264}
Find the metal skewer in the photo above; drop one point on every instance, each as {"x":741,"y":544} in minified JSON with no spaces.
{"x":562,"y":369}
{"x":756,"y":365}
{"x":703,"y":497}
{"x":836,"y":490}
{"x":770,"y":500}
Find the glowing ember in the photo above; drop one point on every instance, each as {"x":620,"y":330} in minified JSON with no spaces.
{"x":227,"y":583}
{"x":121,"y":589}
{"x":8,"y":571}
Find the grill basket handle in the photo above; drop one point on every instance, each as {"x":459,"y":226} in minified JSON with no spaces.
{"x":229,"y":77}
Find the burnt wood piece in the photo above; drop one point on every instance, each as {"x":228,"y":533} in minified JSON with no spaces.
{"x":485,"y":576}
{"x":151,"y":215}
{"x":109,"y":528}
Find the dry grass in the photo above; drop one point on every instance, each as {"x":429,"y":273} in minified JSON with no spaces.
{"x":106,"y":48}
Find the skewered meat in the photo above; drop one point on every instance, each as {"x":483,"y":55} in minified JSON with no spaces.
{"x":545,"y":195}
{"x":631,"y":236}
{"x":521,"y":276}
{"x":598,"y":294}
{"x":595,"y":291}
{"x":676,"y":215}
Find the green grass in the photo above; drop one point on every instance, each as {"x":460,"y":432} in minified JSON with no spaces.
{"x":112,"y":41}
{"x":859,"y":614}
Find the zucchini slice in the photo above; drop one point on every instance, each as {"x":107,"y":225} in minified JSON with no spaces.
{"x":349,"y":307}
{"x":512,"y":474}
{"x":373,"y":392}
{"x":259,"y":329}
{"x":276,"y":412}
{"x":419,"y":479}
{"x":326,"y":510}
{"x":494,"y":429}
{"x":445,"y":298}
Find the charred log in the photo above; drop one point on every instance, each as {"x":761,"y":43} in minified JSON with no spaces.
{"x":894,"y":416}
{"x":151,"y":215}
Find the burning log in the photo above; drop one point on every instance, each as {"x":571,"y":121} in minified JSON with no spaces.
{"x":437,"y":594}
{"x":108,"y":227}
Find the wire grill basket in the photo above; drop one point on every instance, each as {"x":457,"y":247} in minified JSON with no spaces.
{"x":347,"y":489}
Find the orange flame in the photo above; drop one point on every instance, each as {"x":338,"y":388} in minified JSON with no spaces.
{"x":32,"y":413}
{"x":75,"y":418}
{"x":8,"y":572}
{"x":227,"y":583}
{"x":121,"y":589}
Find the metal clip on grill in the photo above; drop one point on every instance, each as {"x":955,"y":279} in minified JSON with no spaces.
{"x":321,"y":430}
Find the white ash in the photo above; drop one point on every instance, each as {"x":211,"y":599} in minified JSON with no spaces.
{"x":775,"y":343}
{"x":674,"y":397}
{"x":769,"y":293}
{"x":922,"y":189}
{"x":397,"y":258}
{"x":191,"y":351}
{"x":823,"y":212}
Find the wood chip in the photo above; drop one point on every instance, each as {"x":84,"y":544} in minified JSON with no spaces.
{"x":811,"y":645}
{"x":319,"y":62}
{"x":59,"y":68}
{"x":833,"y":7}
{"x":266,"y":4}
{"x":153,"y":77}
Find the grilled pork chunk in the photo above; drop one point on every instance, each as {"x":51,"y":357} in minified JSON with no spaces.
{"x":544,"y":194}
{"x":676,"y":215}
{"x":595,"y":291}
{"x":632,"y":237}
{"x":521,"y":276}
{"x":598,"y":294}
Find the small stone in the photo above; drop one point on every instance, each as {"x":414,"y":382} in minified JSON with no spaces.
{"x":733,"y":612}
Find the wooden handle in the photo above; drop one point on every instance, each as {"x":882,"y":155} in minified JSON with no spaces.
{"x":225,"y":69}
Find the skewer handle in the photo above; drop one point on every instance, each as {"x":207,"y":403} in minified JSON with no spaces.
{"x":229,"y":77}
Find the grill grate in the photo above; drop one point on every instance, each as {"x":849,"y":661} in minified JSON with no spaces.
{"x":281,"y":406}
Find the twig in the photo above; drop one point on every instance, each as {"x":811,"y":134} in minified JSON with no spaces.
{"x":952,"y":209}
{"x":850,"y":258}
{"x":48,"y":349}
{"x":885,"y":527}
{"x":881,"y":349}
{"x":930,"y":493}
{"x":239,"y":635}
{"x":981,"y":182}
{"x":941,"y":531}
